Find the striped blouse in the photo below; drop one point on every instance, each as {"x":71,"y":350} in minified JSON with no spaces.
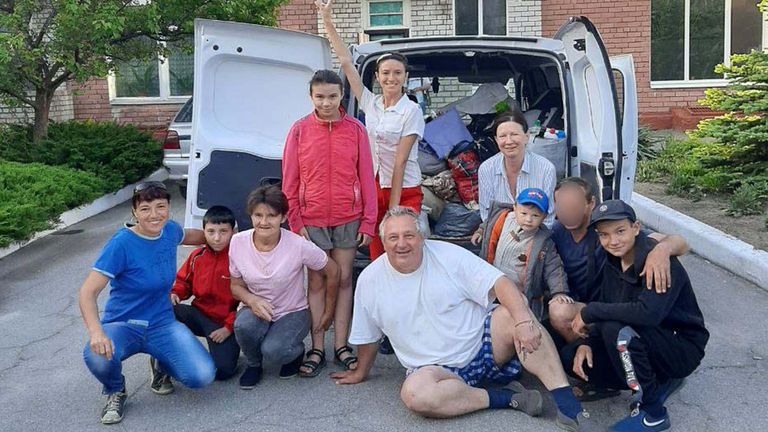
{"x":536,"y":172}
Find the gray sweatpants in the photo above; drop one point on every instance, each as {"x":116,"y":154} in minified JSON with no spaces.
{"x":281,"y":341}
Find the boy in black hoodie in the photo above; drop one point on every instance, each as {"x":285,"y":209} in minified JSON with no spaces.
{"x":635,"y":337}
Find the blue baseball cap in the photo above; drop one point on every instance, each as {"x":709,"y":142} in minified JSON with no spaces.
{"x":534,"y":196}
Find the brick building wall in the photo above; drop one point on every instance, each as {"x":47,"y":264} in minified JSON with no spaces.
{"x":62,"y":109}
{"x":524,"y":17}
{"x":299,"y":15}
{"x":431,"y":18}
{"x":625,"y":27}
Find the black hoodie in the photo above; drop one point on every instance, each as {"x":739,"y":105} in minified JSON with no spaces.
{"x":625,"y":298}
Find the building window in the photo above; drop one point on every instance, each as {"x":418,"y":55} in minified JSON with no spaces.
{"x":165,"y":79}
{"x":386,"y":19}
{"x":690,"y":37}
{"x":480,"y":17}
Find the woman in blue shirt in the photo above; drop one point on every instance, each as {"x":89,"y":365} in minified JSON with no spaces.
{"x":139,"y":262}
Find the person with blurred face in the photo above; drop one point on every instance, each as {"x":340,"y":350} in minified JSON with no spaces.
{"x":433,"y":300}
{"x":633,"y":337}
{"x":328,"y":179}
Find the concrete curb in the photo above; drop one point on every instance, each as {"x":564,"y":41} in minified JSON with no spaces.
{"x":71,"y":217}
{"x":712,"y":244}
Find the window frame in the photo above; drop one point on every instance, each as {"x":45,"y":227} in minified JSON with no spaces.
{"x":480,"y":4}
{"x":704,"y":83}
{"x":381,"y":30}
{"x":164,"y":82}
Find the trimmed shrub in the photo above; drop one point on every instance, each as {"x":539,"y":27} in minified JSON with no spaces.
{"x":32,"y":196}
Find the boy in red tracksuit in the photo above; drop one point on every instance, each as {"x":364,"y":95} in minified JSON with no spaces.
{"x":328,"y":180}
{"x":205,"y":275}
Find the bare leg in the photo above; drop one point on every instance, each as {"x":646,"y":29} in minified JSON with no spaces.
{"x":345,"y":259}
{"x":561,"y":316}
{"x":316,"y":300}
{"x":435,"y":392}
{"x":544,"y":363}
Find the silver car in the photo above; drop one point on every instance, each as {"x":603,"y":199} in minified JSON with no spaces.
{"x":177,"y":140}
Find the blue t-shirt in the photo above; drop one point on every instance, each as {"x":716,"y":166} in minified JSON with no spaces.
{"x":142,"y":272}
{"x":583,"y":276}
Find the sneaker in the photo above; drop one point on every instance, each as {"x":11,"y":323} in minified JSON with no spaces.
{"x":250,"y":377}
{"x":527,"y":401}
{"x":582,"y":423}
{"x":160,"y":382}
{"x":385,"y":347}
{"x":640,"y":421}
{"x":113,"y":410}
{"x":291,"y":369}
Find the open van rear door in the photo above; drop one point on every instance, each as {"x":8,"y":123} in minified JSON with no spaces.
{"x":624,"y":76}
{"x":251,"y":84}
{"x":595,"y":123}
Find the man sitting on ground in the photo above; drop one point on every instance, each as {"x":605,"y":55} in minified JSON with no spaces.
{"x":435,"y":302}
{"x":636,"y":337}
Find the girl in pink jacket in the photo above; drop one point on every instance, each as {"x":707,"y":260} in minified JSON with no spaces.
{"x":328,"y":179}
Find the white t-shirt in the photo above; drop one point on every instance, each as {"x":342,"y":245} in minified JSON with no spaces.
{"x":433,"y":316}
{"x":385,"y":128}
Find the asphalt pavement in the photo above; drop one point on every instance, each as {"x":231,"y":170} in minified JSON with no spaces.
{"x":45,"y":386}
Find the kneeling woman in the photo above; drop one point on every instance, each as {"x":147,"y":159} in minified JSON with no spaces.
{"x":266,"y":264}
{"x":139,"y":262}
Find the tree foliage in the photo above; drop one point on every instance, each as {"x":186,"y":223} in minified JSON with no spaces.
{"x":45,"y":43}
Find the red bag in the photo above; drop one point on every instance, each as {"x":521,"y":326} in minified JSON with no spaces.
{"x":464,"y":168}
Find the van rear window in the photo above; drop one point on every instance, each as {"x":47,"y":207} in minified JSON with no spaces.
{"x":185,"y":113}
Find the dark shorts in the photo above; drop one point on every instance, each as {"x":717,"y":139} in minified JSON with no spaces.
{"x":482,"y":368}
{"x":338,"y":237}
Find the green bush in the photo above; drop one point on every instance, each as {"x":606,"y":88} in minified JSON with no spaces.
{"x":749,"y":199}
{"x":119,"y":155}
{"x":33,"y":195}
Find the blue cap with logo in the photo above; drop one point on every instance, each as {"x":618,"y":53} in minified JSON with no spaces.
{"x":534,"y":196}
{"x":612,"y":210}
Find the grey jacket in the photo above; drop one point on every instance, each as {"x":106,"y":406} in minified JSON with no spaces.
{"x":545,"y":276}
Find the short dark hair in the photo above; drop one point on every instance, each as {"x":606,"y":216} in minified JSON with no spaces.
{"x":269,"y":195}
{"x":219,"y":214}
{"x":149,"y":191}
{"x":513,"y":115}
{"x":578,"y":182}
{"x":392,"y":56}
{"x":325,"y":76}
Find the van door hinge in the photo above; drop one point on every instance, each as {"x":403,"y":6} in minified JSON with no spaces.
{"x":580,"y":44}
{"x":607,"y":169}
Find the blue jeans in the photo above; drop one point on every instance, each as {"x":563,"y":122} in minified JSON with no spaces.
{"x":281,"y":340}
{"x":179,"y":352}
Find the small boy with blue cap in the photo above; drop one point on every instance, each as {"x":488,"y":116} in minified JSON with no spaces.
{"x":521,"y":247}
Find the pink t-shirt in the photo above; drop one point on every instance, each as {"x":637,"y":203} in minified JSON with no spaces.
{"x":277,"y":275}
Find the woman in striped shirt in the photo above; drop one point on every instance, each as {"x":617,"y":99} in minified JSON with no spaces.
{"x":513,"y":169}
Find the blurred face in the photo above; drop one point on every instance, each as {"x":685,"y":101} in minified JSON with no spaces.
{"x":529,"y":217}
{"x":326,"y":98}
{"x":266,"y":221}
{"x":391,"y":76}
{"x":218,"y":235}
{"x":618,"y":237}
{"x":151,"y":216}
{"x":572,"y":208}
{"x":403,"y":243}
{"x":511,"y":139}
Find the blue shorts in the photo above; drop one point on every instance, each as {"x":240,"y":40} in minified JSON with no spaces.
{"x":483,"y":369}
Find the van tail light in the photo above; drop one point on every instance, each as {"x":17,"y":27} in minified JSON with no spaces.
{"x":169,"y":138}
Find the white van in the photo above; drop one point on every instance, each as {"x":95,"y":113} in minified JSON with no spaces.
{"x":251,"y":84}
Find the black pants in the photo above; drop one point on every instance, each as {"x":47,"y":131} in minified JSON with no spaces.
{"x":224,"y":354}
{"x":657,"y":355}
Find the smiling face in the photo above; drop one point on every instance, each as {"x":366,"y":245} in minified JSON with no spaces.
{"x":528,"y":217}
{"x":218,"y":235}
{"x":403,"y":243}
{"x":266,"y":221}
{"x":391,"y":76}
{"x":511,"y":139}
{"x":326,"y":98}
{"x":618,"y":236}
{"x":151,"y":216}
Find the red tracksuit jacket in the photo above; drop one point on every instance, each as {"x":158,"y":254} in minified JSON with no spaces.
{"x":205,"y":274}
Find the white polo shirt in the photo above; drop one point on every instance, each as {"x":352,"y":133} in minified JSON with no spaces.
{"x":385,"y":128}
{"x":433,"y":316}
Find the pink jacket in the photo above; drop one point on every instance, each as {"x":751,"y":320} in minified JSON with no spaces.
{"x":328,"y":174}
